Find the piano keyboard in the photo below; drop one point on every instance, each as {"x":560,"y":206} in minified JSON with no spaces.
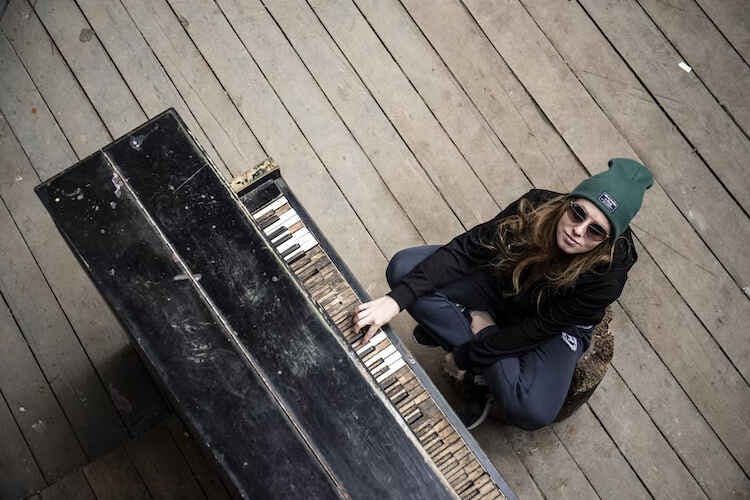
{"x":385,"y":361}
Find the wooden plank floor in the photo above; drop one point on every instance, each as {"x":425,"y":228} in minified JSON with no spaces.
{"x":396,"y":123}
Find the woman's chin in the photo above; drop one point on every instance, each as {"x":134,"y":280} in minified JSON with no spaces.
{"x":564,"y":246}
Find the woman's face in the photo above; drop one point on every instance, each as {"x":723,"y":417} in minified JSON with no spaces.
{"x":572,"y":236}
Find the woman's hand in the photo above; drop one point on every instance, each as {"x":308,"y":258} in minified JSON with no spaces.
{"x":375,"y":313}
{"x":480,"y":320}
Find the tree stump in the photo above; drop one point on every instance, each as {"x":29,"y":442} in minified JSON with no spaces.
{"x":590,"y":368}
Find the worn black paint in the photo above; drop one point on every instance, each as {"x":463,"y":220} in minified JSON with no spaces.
{"x":215,"y":389}
{"x":348,"y":427}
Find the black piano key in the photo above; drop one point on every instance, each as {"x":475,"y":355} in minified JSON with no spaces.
{"x":289,"y":250}
{"x":400,"y":398}
{"x":385,"y":384}
{"x":393,"y":390}
{"x":276,"y":233}
{"x":286,"y":237}
{"x":377,"y":364}
{"x":367,"y":351}
{"x":268,"y":221}
{"x":295,"y":257}
{"x":358,"y":337}
{"x":414,"y":417}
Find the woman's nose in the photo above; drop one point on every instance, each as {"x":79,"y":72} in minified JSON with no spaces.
{"x":579,"y":229}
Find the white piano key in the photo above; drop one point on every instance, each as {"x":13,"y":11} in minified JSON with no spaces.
{"x":270,"y":207}
{"x":273,"y":241}
{"x":393,"y":369}
{"x":391,"y":359}
{"x":381,"y":355}
{"x":293,"y":255}
{"x":297,"y":235}
{"x":294,"y":239}
{"x":308,"y":242}
{"x":301,"y":237}
{"x":374,"y":340}
{"x":287,"y":219}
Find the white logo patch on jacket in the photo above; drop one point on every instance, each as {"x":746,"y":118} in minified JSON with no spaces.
{"x":570,"y":340}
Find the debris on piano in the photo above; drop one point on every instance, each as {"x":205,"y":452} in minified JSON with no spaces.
{"x":241,"y":309}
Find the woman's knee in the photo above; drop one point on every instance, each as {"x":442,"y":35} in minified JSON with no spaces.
{"x":404,"y":261}
{"x":530,"y":418}
{"x":396,"y":268}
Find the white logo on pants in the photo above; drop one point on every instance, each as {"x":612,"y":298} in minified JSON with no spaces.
{"x":570,"y":340}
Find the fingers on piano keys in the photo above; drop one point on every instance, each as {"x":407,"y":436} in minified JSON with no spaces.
{"x":288,"y":235}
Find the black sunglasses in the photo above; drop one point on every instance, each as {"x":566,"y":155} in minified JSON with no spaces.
{"x":593,"y":231}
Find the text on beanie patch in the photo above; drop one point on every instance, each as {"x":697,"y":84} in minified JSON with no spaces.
{"x":608,"y":201}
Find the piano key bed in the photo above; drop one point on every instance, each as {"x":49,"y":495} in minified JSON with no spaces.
{"x":309,"y":257}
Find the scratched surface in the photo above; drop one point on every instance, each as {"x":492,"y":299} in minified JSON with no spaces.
{"x":310,"y":375}
{"x":216,"y":390}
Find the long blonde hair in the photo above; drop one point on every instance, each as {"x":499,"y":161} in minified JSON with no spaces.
{"x":526,"y":243}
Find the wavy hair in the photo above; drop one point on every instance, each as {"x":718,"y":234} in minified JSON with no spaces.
{"x":526,"y":250}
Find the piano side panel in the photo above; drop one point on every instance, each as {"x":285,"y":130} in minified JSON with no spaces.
{"x":216,"y":391}
{"x":322,"y":388}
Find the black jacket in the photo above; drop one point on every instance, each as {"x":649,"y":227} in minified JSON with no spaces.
{"x":520,"y":326}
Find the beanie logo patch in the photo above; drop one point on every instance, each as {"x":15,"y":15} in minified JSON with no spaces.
{"x":608,"y":201}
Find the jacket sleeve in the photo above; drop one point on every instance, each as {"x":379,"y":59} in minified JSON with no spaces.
{"x":459,"y":257}
{"x":584,"y":306}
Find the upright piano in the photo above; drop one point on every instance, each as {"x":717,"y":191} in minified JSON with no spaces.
{"x":241,"y":310}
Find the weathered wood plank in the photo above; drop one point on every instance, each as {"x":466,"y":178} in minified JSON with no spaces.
{"x":342,"y":156}
{"x":197,"y":84}
{"x":494,"y":89}
{"x":497,"y":447}
{"x":53,"y":79}
{"x":450,"y":171}
{"x":95,"y":72}
{"x":71,"y":487}
{"x":704,"y":48}
{"x":55,"y":345}
{"x":701,"y":198}
{"x":203,"y":471}
{"x":395,"y":163}
{"x":113,"y":476}
{"x":36,"y":411}
{"x":19,"y":472}
{"x":681,"y":95}
{"x":462,"y":121}
{"x":162,"y":466}
{"x":106,"y":343}
{"x":654,"y":461}
{"x":694,"y":359}
{"x":732,"y":19}
{"x":598,"y":456}
{"x":32,"y":121}
{"x":135,"y":61}
{"x":571,"y":109}
{"x":672,"y":411}
{"x":281,"y":139}
{"x":552,"y":467}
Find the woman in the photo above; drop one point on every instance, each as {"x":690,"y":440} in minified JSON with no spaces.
{"x":515,"y":299}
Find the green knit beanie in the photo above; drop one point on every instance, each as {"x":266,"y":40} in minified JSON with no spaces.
{"x":618,"y":192}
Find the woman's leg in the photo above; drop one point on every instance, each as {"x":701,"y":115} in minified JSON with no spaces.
{"x":440,"y":312}
{"x":531,"y":388}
